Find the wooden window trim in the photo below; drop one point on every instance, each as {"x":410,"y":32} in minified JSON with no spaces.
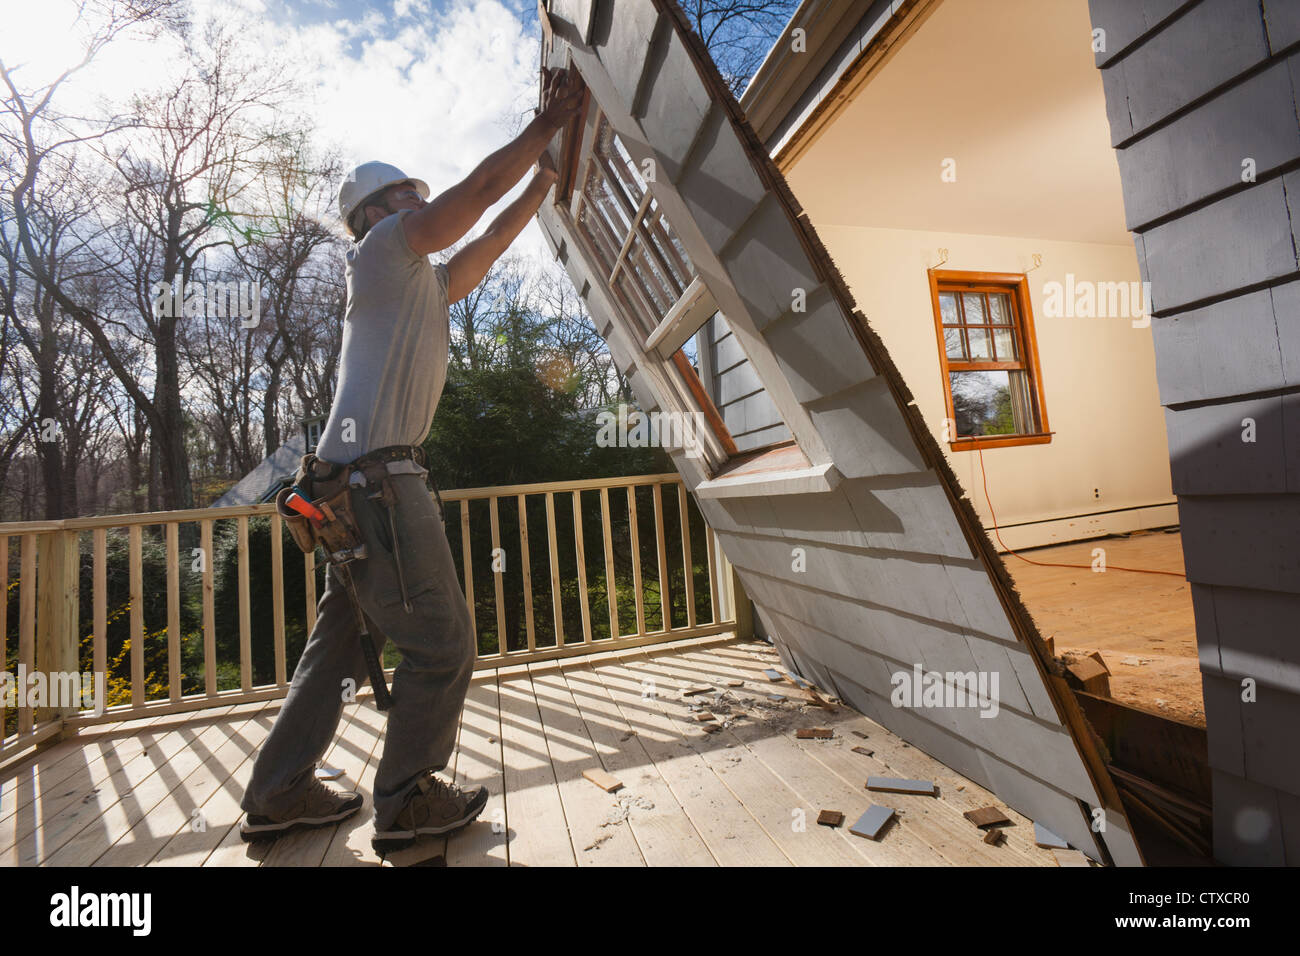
{"x":1017,"y":283}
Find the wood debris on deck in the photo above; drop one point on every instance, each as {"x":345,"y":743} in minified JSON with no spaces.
{"x":165,"y":791}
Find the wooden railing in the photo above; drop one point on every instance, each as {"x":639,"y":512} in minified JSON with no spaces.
{"x":146,"y":671}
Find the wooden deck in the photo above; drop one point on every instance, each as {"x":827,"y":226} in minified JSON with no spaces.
{"x":165,"y":791}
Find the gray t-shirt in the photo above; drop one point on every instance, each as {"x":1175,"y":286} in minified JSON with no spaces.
{"x":395,"y":336}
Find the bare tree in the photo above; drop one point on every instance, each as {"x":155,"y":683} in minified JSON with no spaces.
{"x":738,"y":33}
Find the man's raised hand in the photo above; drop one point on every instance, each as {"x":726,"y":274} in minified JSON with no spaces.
{"x":561,"y":95}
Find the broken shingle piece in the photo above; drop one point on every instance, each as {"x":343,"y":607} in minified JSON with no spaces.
{"x":1046,"y":838}
{"x":987,"y":817}
{"x":864,"y":751}
{"x":858,"y":733}
{"x":773,"y":675}
{"x":705,"y":715}
{"x":692,"y":691}
{"x":830,"y":818}
{"x":606,"y":781}
{"x":872,"y":822}
{"x":899,"y":785}
{"x":735,"y":683}
{"x":814,"y":733}
{"x":993,"y":836}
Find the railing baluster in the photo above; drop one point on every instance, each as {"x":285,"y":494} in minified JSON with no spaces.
{"x":610,"y":590}
{"x":636,"y":558}
{"x":498,"y":558}
{"x":99,"y":588}
{"x":469,"y":567}
{"x":688,"y":566}
{"x":174,"y":611}
{"x":665,"y":612}
{"x":245,"y":609}
{"x":209,"y":610}
{"x":713,"y":576}
{"x":277,"y":592}
{"x":137,"y":618}
{"x":556,"y":610}
{"x":27,"y":620}
{"x":528,"y":572}
{"x":582,"y":567}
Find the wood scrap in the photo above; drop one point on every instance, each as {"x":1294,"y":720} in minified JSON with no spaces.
{"x":705,"y":716}
{"x":864,"y":751}
{"x":692,"y":691}
{"x":814,"y":733}
{"x":735,"y":683}
{"x":899,"y":785}
{"x":994,"y":836}
{"x":858,"y":733}
{"x":606,"y":781}
{"x":872,"y":822}
{"x":987,"y":817}
{"x":830,"y":818}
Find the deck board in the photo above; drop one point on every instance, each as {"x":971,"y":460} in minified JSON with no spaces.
{"x":128,"y":794}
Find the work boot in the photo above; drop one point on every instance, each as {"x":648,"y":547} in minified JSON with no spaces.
{"x":320,"y":806}
{"x":434,"y":807}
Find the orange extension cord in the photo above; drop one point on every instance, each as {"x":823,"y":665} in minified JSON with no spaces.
{"x":1050,"y":564}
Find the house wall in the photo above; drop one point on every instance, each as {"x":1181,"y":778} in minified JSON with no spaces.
{"x":879,"y":569}
{"x":1032,"y":173}
{"x":1106,"y":469}
{"x":1202,"y":104}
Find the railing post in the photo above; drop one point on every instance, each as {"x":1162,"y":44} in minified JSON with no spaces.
{"x":57,"y":599}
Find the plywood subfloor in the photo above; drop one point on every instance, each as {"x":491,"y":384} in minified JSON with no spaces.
{"x":165,"y":792}
{"x":1141,"y":623}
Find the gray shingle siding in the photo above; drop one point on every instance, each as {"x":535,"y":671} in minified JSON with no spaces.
{"x":1189,"y":97}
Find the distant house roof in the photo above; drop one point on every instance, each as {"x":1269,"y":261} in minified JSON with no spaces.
{"x":275,"y":471}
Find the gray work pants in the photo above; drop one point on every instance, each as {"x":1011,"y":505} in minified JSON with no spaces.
{"x":438,"y":650}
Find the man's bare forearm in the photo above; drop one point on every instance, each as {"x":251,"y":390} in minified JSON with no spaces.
{"x":467,"y":268}
{"x":505,"y":167}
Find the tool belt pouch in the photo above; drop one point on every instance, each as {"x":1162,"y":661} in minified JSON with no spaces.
{"x":339,"y":531}
{"x":300,"y":528}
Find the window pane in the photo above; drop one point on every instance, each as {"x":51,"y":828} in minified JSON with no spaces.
{"x":1004,"y":340}
{"x":953,"y":343}
{"x":948,"y":308}
{"x":972,"y":304}
{"x":1000,"y":308}
{"x":983,"y":403}
{"x":979,"y":343}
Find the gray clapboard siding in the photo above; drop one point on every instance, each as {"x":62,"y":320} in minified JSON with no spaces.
{"x":1184,"y":269}
{"x":1282,"y":21}
{"x":1249,"y":360}
{"x":1188,"y":102}
{"x":817,"y":350}
{"x":719,"y":186}
{"x":1208,"y":453}
{"x":1212,"y":43}
{"x":1255,"y":119}
{"x":895,"y":575}
{"x":1128,"y":21}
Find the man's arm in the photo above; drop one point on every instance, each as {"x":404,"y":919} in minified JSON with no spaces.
{"x":449,"y":216}
{"x":467,"y":267}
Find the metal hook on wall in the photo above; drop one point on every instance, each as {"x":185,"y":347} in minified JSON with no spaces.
{"x":943,"y":257}
{"x":1038,"y":261}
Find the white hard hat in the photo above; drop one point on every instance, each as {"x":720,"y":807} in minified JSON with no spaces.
{"x":370,"y":178}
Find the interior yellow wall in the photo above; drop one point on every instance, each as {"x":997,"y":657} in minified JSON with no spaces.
{"x":1098,"y":375}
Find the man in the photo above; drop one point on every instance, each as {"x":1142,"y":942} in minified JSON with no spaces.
{"x":392,"y":369}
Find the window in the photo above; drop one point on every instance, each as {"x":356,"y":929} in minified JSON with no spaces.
{"x":992,"y":383}
{"x":651,"y":276}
